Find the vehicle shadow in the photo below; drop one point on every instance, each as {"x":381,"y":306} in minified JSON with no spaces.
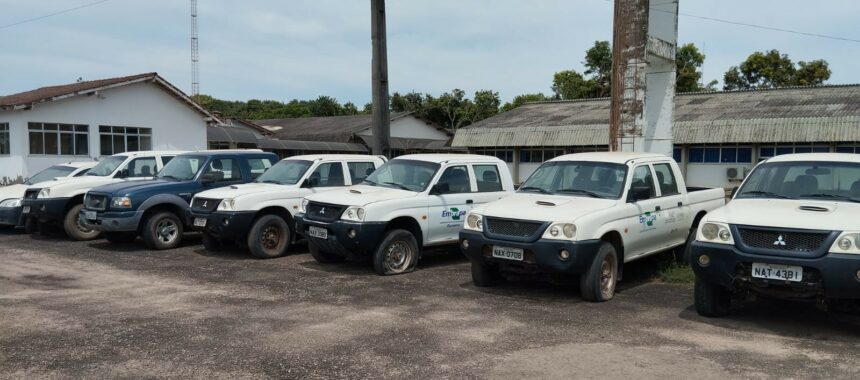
{"x":785,"y":318}
{"x":354,"y":267}
{"x":137,"y":245}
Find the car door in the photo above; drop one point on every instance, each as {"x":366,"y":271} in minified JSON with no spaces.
{"x":673,"y":211}
{"x":643,"y":231}
{"x":488,"y":183}
{"x":450,"y":198}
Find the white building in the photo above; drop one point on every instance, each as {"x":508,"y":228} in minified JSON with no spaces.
{"x":89,"y":119}
{"x":718,"y":136}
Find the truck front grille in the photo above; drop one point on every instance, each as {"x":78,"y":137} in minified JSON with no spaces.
{"x":781,"y":241}
{"x":516,"y":230}
{"x":324,"y":212}
{"x":204,"y":205}
{"x":96,"y":202}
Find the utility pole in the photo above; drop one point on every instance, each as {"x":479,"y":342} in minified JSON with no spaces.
{"x":381,"y":119}
{"x":195,"y":56}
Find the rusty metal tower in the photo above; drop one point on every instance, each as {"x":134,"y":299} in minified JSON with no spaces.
{"x":195,"y":55}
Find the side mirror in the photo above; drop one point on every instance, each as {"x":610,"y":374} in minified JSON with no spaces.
{"x":440,"y":188}
{"x":122,"y":173}
{"x":638,"y":193}
{"x":207,"y":178}
{"x":310,"y":183}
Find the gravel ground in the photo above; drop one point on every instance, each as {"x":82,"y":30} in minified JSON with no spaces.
{"x":91,"y":309}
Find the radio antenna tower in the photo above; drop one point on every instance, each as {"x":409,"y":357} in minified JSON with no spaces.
{"x":195,"y":55}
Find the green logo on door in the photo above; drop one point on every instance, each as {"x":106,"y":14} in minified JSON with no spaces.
{"x":454,"y":213}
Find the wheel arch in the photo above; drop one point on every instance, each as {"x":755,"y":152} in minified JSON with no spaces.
{"x":701,"y":214}
{"x":614,"y":237}
{"x":407,"y":223}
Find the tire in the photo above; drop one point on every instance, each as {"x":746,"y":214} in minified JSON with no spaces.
{"x":711,"y":300}
{"x":485,"y":275}
{"x":269,"y":237}
{"x":73,"y":227}
{"x":323,"y":257}
{"x":686,"y":252}
{"x":397,"y":254}
{"x":212,"y":243}
{"x":597,"y":284}
{"x":31,"y":225}
{"x":163,"y":230}
{"x":120,"y":237}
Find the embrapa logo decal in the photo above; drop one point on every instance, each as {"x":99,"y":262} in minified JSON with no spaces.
{"x":647,"y":221}
{"x":454,"y":213}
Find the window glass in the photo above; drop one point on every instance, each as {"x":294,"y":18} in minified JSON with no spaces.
{"x":591,"y":179}
{"x":697,"y":154}
{"x":113,"y":139}
{"x":487,"y":177}
{"x":712,"y":154}
{"x":224,"y":169}
{"x":107,"y":166}
{"x":408,"y":175}
{"x":182,"y":168}
{"x":259,"y":166}
{"x":455,"y":180}
{"x":358,"y":171}
{"x":642,"y":182}
{"x":729,"y":155}
{"x":844,"y":149}
{"x":677,"y":154}
{"x":49,"y":173}
{"x":838,"y":181}
{"x":744,"y":155}
{"x":803,"y":149}
{"x":784,"y":150}
{"x":142,"y":167}
{"x":165,"y":160}
{"x":286,"y":172}
{"x":666,"y":179}
{"x":766,"y":152}
{"x":820,"y":149}
{"x":5,"y":142}
{"x":328,"y":175}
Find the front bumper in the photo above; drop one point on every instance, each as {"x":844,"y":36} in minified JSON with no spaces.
{"x":46,"y":210}
{"x":112,"y":221}
{"x":224,"y":225}
{"x":833,"y":275}
{"x":11,"y":216}
{"x":367,"y":236}
{"x":539,"y":257}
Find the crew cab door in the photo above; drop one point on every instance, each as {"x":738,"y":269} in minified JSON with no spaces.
{"x":218,"y":172}
{"x":488,"y":183}
{"x":450,"y":198}
{"x":325,"y":176}
{"x":645,"y":229}
{"x":673,"y":210}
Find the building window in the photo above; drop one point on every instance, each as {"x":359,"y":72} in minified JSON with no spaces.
{"x":219,"y":145}
{"x":725,"y":154}
{"x":771,"y":151}
{"x":847,"y":149}
{"x":54,"y":139}
{"x":506,"y":155}
{"x":539,"y":155}
{"x":113,"y":140}
{"x":5,"y":145}
{"x":677,"y":154}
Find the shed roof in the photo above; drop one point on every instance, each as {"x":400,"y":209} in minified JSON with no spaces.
{"x":327,"y":128}
{"x":320,"y":146}
{"x":797,"y":114}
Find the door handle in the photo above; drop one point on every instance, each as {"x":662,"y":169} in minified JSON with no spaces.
{"x":469,"y":201}
{"x":680,"y":204}
{"x":657,"y":208}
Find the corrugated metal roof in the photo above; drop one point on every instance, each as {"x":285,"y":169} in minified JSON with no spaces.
{"x":317,"y":146}
{"x":230,"y":134}
{"x":802,"y":114}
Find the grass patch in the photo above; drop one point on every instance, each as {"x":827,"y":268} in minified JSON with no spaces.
{"x":676,"y":273}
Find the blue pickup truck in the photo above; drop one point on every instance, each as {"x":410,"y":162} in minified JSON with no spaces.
{"x":155,"y":209}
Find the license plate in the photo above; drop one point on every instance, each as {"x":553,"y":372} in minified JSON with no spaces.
{"x":26,"y":210}
{"x":199,"y":222}
{"x":777,"y":272}
{"x":90,"y":215}
{"x":318,"y":232}
{"x":508,"y":253}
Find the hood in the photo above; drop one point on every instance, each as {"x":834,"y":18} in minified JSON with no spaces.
{"x":127,"y":187}
{"x":544,"y":207}
{"x":62,"y":184}
{"x":790,"y":213}
{"x":234,"y":191}
{"x":360,"y":195}
{"x":12,"y":191}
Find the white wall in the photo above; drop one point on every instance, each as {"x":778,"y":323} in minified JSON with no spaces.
{"x":713,"y":174}
{"x":411,"y":127}
{"x":175,"y":126}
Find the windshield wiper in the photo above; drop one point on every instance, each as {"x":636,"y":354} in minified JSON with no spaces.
{"x":533,"y":188}
{"x":837,"y":196}
{"x":765,"y":193}
{"x":402,"y":187}
{"x":580,"y":191}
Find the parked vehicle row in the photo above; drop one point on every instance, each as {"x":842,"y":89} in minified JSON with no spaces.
{"x":789,"y":231}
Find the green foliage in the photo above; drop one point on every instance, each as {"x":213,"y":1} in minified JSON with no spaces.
{"x":688,"y":61}
{"x":570,"y":84}
{"x":676,"y":273}
{"x":451,"y":110}
{"x":771,"y":69}
{"x":523,"y":99}
{"x":255,"y":109}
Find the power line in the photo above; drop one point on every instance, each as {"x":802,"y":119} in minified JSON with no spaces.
{"x":53,"y":14}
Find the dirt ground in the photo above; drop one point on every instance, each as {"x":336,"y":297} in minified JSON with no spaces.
{"x":91,"y":309}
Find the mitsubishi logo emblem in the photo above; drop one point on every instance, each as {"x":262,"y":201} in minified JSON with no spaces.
{"x":322,"y":211}
{"x":205,"y":204}
{"x":779,"y":241}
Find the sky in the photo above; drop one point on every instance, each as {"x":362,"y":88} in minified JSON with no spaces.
{"x":297,"y":49}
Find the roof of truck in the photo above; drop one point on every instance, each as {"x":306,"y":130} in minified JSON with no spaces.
{"x":79,"y":164}
{"x":313,"y":157}
{"x":838,"y":157}
{"x":613,"y":157}
{"x":444,"y":157}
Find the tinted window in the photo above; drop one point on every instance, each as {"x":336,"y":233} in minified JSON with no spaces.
{"x":328,"y":175}
{"x":487,"y":177}
{"x":165,"y":160}
{"x":455,"y":180}
{"x":358,"y":171}
{"x":142,"y":167}
{"x":666,"y":179}
{"x":643,"y":182}
{"x":224,"y":169}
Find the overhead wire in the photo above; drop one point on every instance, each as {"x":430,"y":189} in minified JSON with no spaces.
{"x":53,"y":14}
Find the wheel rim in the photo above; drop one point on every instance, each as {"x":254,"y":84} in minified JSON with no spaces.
{"x":80,"y":225}
{"x":271,"y":236}
{"x":398,"y":257}
{"x":608,"y":270}
{"x":166,"y":230}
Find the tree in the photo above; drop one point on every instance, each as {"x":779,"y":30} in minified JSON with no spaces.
{"x":523,"y":99}
{"x":598,"y":64}
{"x":349,"y":108}
{"x":569,"y":84}
{"x":484,"y":104}
{"x":325,"y":106}
{"x":771,"y":69}
{"x":688,"y":61}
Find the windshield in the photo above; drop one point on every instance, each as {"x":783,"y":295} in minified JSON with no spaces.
{"x":49,"y":173}
{"x":107,"y":166}
{"x":839,"y":181}
{"x":403,"y":174}
{"x":182,"y":168}
{"x":287,"y":172}
{"x":582,"y":178}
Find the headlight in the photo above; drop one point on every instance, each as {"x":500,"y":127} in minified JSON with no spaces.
{"x":44,"y":193}
{"x":715,"y":233}
{"x":304,"y":206}
{"x":11,"y":203}
{"x":475,"y":222}
{"x":120,"y":202}
{"x":227,"y":205}
{"x":353,"y":213}
{"x":847,"y":242}
{"x":562,"y":231}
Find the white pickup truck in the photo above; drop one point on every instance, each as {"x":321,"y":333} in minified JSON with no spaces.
{"x":260,"y":214}
{"x":791,"y":231}
{"x":60,"y":201}
{"x":411,"y":202}
{"x":585,"y":215}
{"x":12,"y":196}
